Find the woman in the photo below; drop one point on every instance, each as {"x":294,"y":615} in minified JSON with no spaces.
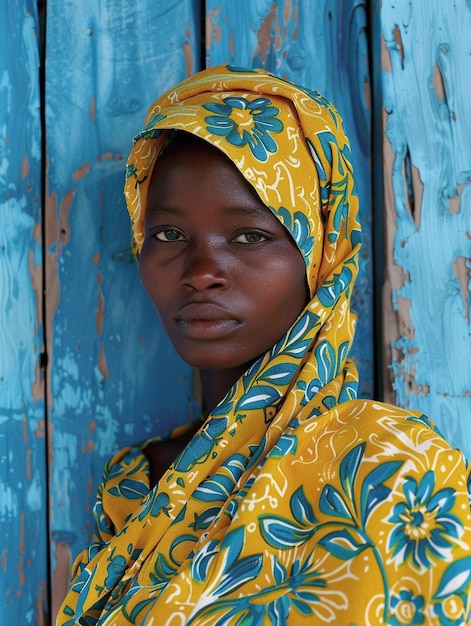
{"x":294,"y":502}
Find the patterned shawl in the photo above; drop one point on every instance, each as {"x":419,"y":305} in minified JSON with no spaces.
{"x":295,"y":502}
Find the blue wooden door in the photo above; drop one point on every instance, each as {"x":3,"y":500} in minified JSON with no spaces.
{"x":113,"y":378}
{"x":23,"y":454}
{"x":426,"y":65}
{"x":85,"y":368}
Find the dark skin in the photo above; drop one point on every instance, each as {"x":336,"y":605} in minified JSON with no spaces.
{"x":225,"y":276}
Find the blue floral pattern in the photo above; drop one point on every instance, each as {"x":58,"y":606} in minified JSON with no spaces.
{"x":452,"y":596}
{"x":298,"y":226}
{"x":407,"y":609}
{"x":424,"y":528}
{"x":246,"y":122}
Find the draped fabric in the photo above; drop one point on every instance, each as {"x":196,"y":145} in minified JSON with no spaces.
{"x":295,"y":502}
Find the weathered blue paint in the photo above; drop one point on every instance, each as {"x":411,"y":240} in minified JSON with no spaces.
{"x":23,"y":477}
{"x":427,"y":102}
{"x":321,"y":45}
{"x":114,"y":377}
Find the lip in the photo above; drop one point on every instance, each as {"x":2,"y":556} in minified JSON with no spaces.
{"x":205,"y":321}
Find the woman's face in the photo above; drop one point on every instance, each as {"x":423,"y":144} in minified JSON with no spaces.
{"x":224,"y":275}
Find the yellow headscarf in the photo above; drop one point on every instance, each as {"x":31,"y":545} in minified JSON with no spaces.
{"x":289,"y":144}
{"x":293,"y":493}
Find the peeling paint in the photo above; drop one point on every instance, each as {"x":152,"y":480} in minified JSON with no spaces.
{"x":287,"y":11}
{"x":81,"y":171}
{"x":100,"y":372}
{"x":212,"y":27}
{"x":426,"y":98}
{"x":462,"y":271}
{"x":64,"y":225}
{"x":92,"y":108}
{"x":23,"y":547}
{"x":265,"y":36}
{"x":102,"y":363}
{"x":188,"y":48}
{"x":40,"y":605}
{"x":25,"y":167}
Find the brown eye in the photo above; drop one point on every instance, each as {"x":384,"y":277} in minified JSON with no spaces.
{"x":250,"y":237}
{"x":169,"y":234}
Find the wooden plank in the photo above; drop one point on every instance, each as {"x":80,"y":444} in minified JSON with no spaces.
{"x":114,"y":378}
{"x":321,"y":45}
{"x":427,"y":110}
{"x":23,"y":476}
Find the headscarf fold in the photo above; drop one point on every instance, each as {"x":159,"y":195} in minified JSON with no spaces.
{"x":261,"y":519}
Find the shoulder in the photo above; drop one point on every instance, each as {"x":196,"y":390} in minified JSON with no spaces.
{"x":368,"y":435}
{"x":387,"y":424}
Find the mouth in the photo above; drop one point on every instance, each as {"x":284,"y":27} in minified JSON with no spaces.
{"x":205,"y":321}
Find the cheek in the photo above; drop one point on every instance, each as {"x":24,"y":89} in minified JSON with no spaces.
{"x":291,"y":287}
{"x":151,"y":279}
{"x":284,"y":302}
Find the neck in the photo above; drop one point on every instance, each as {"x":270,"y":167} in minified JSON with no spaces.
{"x":216,"y":383}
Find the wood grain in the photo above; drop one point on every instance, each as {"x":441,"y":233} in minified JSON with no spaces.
{"x":427,"y":173}
{"x":114,"y":379}
{"x":23,"y":473}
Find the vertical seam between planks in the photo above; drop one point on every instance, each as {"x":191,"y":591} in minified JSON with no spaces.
{"x":44,"y":357}
{"x":377,"y":191}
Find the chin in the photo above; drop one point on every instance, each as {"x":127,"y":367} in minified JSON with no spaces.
{"x":216,"y":362}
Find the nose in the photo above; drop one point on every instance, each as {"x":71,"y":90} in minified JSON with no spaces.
{"x":206,"y":267}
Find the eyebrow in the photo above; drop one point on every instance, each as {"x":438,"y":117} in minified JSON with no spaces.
{"x":162,"y":210}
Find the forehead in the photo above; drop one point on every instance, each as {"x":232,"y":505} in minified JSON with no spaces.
{"x":187,"y":160}
{"x":182,"y":147}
